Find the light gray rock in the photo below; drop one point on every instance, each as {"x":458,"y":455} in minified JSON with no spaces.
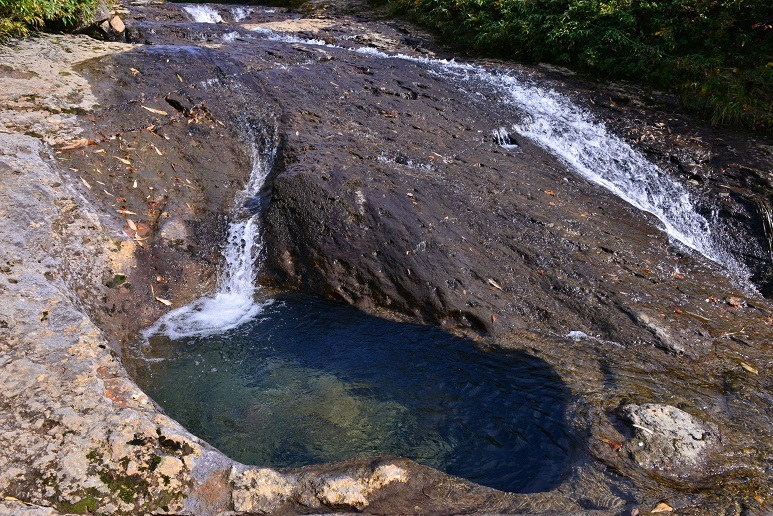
{"x":668,"y":440}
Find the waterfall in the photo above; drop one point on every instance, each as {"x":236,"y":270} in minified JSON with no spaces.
{"x":571,"y":134}
{"x":203,"y":14}
{"x":234,"y":302}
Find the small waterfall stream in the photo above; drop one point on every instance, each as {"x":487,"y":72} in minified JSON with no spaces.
{"x":233,"y":304}
{"x":294,"y":381}
{"x":570,"y":133}
{"x":564,"y":129}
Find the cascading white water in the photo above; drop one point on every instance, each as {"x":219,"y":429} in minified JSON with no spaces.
{"x":570,"y":133}
{"x":240,"y":13}
{"x":234,"y":302}
{"x":203,"y":14}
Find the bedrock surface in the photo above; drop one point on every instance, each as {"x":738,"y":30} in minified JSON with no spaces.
{"x":390,"y":192}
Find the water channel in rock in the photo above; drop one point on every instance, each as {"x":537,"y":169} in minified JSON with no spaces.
{"x":295,"y":380}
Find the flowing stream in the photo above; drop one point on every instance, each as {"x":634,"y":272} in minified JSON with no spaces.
{"x":294,"y":381}
{"x":567,"y":131}
{"x":234,"y":302}
{"x":570,"y":133}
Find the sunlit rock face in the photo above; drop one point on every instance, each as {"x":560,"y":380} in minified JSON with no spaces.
{"x":393,"y":189}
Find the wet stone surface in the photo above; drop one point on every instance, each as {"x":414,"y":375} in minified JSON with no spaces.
{"x":390,"y":192}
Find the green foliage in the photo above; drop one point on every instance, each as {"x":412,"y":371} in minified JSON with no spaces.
{"x":717,"y":54}
{"x":20,"y":17}
{"x":85,"y":506}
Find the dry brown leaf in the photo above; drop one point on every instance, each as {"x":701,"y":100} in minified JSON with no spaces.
{"x":156,"y":111}
{"x":662,"y":507}
{"x":494,"y":284}
{"x":735,"y":302}
{"x":77,"y":144}
{"x":122,"y":160}
{"x":163,"y":301}
{"x":750,"y":368}
{"x":616,"y":445}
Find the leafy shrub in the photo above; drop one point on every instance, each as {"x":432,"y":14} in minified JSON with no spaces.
{"x":19,"y":17}
{"x":717,"y":54}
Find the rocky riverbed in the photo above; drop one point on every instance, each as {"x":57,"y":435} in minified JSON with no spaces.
{"x":394,"y":189}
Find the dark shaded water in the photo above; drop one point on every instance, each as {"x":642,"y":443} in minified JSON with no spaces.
{"x":310,"y":381}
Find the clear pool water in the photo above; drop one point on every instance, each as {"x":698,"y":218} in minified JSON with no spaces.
{"x":309,"y":381}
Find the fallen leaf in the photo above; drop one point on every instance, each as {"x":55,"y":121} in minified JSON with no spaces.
{"x":122,"y":160}
{"x":493,"y":319}
{"x":157,"y":151}
{"x":156,"y":111}
{"x":662,"y":507}
{"x":615,"y":445}
{"x":494,"y":284}
{"x":749,"y":368}
{"x":677,"y":275}
{"x":550,"y":192}
{"x":131,"y":224}
{"x":163,"y":301}
{"x":735,"y":302}
{"x":77,"y":144}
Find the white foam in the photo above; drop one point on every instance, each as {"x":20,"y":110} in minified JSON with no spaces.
{"x":203,"y":14}
{"x":230,"y":37}
{"x":207,"y":316}
{"x":240,"y":13}
{"x":503,"y":139}
{"x":234,"y":303}
{"x":576,"y":335}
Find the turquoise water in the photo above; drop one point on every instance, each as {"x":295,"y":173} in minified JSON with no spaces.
{"x":310,"y":381}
